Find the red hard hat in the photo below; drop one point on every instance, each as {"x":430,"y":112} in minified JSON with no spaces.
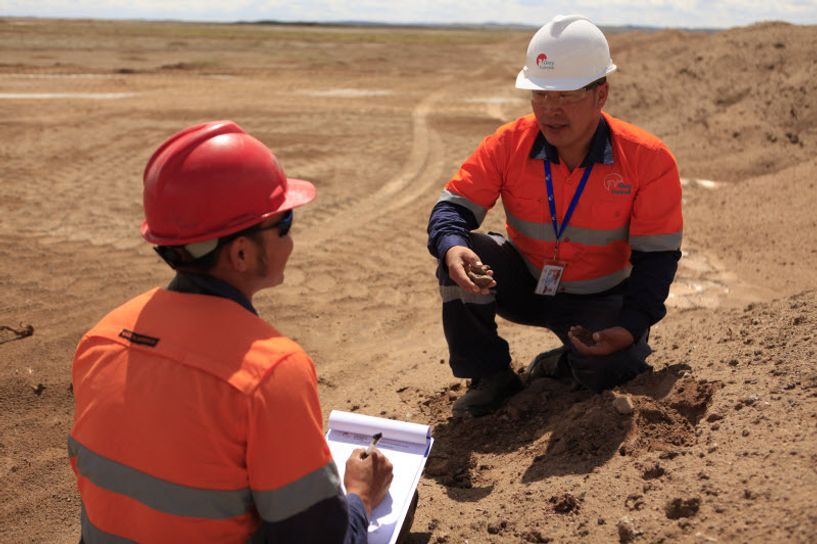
{"x":211,"y":180}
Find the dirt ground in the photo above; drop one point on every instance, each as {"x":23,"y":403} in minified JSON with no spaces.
{"x":721,"y":445}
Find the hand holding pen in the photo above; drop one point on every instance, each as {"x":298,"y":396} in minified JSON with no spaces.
{"x":368,"y":474}
{"x":375,"y":439}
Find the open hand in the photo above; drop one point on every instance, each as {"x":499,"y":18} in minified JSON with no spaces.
{"x":603,"y":342}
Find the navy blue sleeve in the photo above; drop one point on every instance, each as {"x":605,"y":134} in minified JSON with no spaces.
{"x":337,"y":520}
{"x":647,"y":289}
{"x":358,"y":521}
{"x":449,"y":226}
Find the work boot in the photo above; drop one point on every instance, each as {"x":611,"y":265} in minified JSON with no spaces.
{"x":549,"y":364}
{"x":487,"y":394}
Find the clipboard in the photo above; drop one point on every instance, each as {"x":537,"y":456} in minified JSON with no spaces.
{"x":405,"y":444}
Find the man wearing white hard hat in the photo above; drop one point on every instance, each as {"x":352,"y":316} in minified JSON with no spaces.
{"x":594,"y":228}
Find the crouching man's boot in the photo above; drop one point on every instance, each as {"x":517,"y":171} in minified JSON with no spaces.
{"x":488,"y":393}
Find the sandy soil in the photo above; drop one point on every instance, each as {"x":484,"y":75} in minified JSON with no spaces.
{"x":721,"y":444}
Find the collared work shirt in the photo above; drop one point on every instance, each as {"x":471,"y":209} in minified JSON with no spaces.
{"x":628,"y":217}
{"x":195,"y":420}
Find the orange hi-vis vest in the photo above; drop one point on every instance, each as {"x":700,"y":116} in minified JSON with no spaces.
{"x":195,"y":420}
{"x":634,"y":203}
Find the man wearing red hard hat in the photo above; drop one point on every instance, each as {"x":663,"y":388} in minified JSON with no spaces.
{"x":195,"y":419}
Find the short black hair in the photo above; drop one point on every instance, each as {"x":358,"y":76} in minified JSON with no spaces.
{"x":593,"y":84}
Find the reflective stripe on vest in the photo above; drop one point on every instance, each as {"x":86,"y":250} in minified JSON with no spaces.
{"x":478,"y":211}
{"x":585,"y":287}
{"x":657,"y":242}
{"x":161,"y":495}
{"x":279,"y":504}
{"x":455,"y":292}
{"x":543,"y":232}
{"x":91,"y":534}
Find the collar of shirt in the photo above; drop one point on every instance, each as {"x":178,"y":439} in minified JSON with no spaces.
{"x":601,"y":148}
{"x":200,"y":284}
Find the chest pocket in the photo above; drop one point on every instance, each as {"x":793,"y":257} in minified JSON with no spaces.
{"x":613,"y":202}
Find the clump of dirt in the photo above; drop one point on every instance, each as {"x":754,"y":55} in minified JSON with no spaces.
{"x":564,"y":503}
{"x":583,"y":335}
{"x":658,"y":427}
{"x":478,"y":273}
{"x":682,"y":508}
{"x":626,"y":530}
{"x":653,"y":471}
{"x":692,"y":398}
{"x":623,"y":404}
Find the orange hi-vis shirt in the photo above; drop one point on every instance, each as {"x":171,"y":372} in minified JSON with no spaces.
{"x":630,"y":203}
{"x":195,"y":420}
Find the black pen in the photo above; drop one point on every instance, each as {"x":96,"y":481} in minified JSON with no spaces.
{"x":375,"y":439}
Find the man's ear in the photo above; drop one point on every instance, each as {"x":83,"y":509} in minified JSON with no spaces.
{"x":601,"y":94}
{"x":239,"y":253}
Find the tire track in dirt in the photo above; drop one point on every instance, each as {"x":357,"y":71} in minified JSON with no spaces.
{"x":392,"y":280}
{"x":420,"y":174}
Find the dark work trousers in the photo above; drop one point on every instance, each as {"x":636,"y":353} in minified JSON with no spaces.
{"x":469,"y":320}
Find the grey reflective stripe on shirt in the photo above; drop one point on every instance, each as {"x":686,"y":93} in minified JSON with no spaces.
{"x":478,"y":211}
{"x":91,"y":534}
{"x":455,"y":292}
{"x":585,"y":287}
{"x":293,"y":498}
{"x":161,"y":495}
{"x":544,"y":232}
{"x":657,"y":242}
{"x":596,"y":285}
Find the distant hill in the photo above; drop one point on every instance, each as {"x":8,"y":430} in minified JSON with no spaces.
{"x":481,"y":26}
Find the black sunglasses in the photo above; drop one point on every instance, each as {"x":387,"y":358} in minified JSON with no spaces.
{"x":283,"y":226}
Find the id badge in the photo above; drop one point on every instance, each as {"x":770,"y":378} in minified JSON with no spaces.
{"x":550,"y":278}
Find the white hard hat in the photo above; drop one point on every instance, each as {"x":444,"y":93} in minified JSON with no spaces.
{"x":566,"y":54}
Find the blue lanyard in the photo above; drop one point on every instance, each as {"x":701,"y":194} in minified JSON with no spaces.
{"x":552,"y":205}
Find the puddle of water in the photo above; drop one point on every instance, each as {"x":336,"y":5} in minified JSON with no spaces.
{"x":687,"y":293}
{"x":55,"y":96}
{"x":701,"y":282}
{"x":702,"y":183}
{"x":348,"y":93}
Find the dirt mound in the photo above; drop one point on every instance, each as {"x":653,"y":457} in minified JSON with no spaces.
{"x":718,"y":98}
{"x":566,"y":430}
{"x":680,"y":465}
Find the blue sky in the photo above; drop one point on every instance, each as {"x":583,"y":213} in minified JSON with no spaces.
{"x":663,"y":13}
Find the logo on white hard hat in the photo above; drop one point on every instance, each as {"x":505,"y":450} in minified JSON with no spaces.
{"x":543,"y":63}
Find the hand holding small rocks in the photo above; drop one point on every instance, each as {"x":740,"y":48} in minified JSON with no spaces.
{"x":479,"y":274}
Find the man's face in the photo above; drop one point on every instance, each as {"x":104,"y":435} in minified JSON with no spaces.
{"x":569,"y":119}
{"x":273,"y":254}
